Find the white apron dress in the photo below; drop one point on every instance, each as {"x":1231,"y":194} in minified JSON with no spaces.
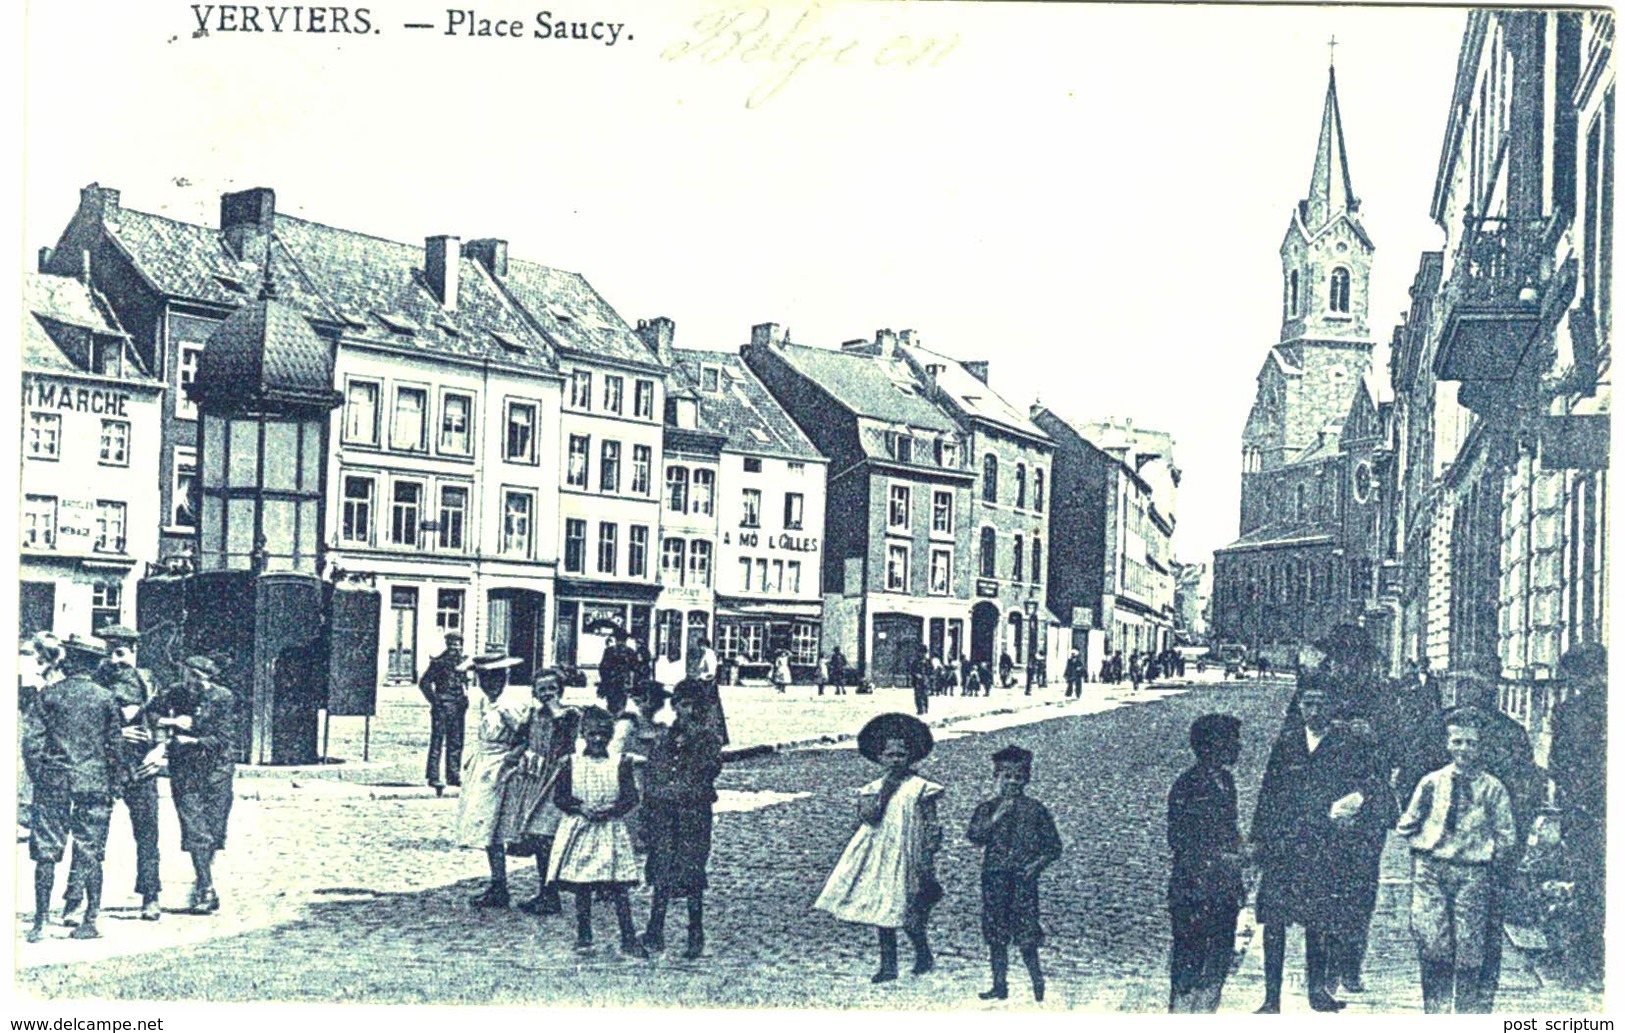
{"x":480,"y":800}
{"x":586,"y":852}
{"x":884,"y":865}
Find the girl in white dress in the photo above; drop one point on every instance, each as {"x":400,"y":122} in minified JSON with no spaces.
{"x":885,"y":878}
{"x":592,"y":850}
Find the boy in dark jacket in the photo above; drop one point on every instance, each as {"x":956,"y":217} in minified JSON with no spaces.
{"x":1205,"y":885}
{"x":1020,"y":840}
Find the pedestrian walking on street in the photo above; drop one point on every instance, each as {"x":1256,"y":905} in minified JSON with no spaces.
{"x":1206,"y":889}
{"x":74,"y":751}
{"x":1007,"y":668}
{"x":781,"y":671}
{"x":132,"y":688}
{"x":1458,"y":822}
{"x":528,"y":817}
{"x":1074,"y":675}
{"x":497,"y":748}
{"x":821,"y":673}
{"x":684,"y":762}
{"x":1306,"y":832}
{"x":201,"y":717}
{"x":919,"y":679}
{"x":445,"y":686}
{"x":837,"y":670}
{"x":886,"y":876}
{"x":592,"y":851}
{"x":1019,"y":840}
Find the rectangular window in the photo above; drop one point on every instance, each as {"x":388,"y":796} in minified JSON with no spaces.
{"x":409,"y":430}
{"x":744,"y":575}
{"x":705,"y":492}
{"x":673,"y":551}
{"x":107,"y":356}
{"x":185,"y":373}
{"x":947,"y":454}
{"x":1016,"y":571}
{"x":710,"y":379}
{"x":448,"y":610}
{"x":609,"y":467}
{"x":905,"y":448}
{"x":581,"y":390}
{"x":453,"y":515}
{"x":792,"y":575}
{"x":942,"y":571}
{"x":699,"y":564}
{"x":727,"y":643}
{"x":637,"y":551}
{"x":942,"y":512}
{"x":575,"y":546}
{"x":750,"y":642}
{"x":752,"y":517}
{"x":614,"y":388}
{"x":793,"y":502}
{"x":39,"y":521}
{"x":405,"y":512}
{"x":804,"y":644}
{"x":361,"y":413}
{"x":1038,"y":560}
{"x":109,"y":526}
{"x":796,"y":469}
{"x":643,"y":401}
{"x":897,"y":508}
{"x":753,"y":465}
{"x":115,"y":447}
{"x":777,"y":584}
{"x":183,"y":491}
{"x":642,"y":459}
{"x":518,"y":519}
{"x":106,"y":604}
{"x":607,"y":541}
{"x":677,"y":489}
{"x":44,"y":435}
{"x":356,"y":519}
{"x":896,"y":568}
{"x":761,"y":575}
{"x":456,"y":414}
{"x":575,"y":472}
{"x":520,"y":446}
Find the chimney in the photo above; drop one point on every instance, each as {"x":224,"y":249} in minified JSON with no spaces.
{"x":44,"y":259}
{"x":489,"y":252}
{"x":885,"y":343}
{"x":246,"y":217}
{"x":859,"y":346}
{"x":440,"y":257}
{"x":907,"y":338}
{"x":98,"y":199}
{"x":977,"y":369}
{"x":766,"y":335}
{"x":656,"y":335}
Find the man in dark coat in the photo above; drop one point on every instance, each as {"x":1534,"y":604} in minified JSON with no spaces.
{"x":445,"y":686}
{"x":201,"y":716}
{"x":617,"y":673}
{"x":920,"y":674}
{"x":1579,"y":767}
{"x":1074,"y":674}
{"x":1315,"y":801}
{"x":679,"y":781}
{"x":1205,"y":885}
{"x":73,"y":748}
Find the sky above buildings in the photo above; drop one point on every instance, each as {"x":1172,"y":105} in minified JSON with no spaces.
{"x":1089,"y":196}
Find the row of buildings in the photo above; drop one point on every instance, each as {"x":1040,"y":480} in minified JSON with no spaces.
{"x":1455,"y":503}
{"x":510,"y":459}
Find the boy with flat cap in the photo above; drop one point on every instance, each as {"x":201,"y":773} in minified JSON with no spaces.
{"x":201,"y":715}
{"x":1020,"y":841}
{"x":74,"y":752}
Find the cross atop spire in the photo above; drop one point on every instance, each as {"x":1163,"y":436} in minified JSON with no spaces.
{"x":1331,"y":52}
{"x":1330,"y":189}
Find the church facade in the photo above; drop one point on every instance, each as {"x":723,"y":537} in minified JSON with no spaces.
{"x":1314,"y":444}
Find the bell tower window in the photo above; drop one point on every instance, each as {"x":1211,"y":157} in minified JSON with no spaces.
{"x":1292,"y":293}
{"x":1340,"y":290}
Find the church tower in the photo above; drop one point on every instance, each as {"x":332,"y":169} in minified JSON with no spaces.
{"x":1309,"y":377}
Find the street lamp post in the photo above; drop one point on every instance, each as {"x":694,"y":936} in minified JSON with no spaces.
{"x":1031,"y":607}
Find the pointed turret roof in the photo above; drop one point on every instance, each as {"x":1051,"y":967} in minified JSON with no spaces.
{"x":1330,"y":190}
{"x":266,"y":351}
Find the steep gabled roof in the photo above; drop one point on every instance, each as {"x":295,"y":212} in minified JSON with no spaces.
{"x":868,"y":385}
{"x":1280,"y":534}
{"x":60,"y":309}
{"x":741,"y":407}
{"x":573,"y":315}
{"x":968,"y":394}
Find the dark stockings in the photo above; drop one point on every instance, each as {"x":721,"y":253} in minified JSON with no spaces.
{"x":44,"y":881}
{"x":888,"y":957}
{"x":202,"y":869}
{"x":498,"y":860}
{"x":623,"y":914}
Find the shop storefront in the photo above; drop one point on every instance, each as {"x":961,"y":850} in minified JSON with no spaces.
{"x":750,"y":632}
{"x":590,"y":611}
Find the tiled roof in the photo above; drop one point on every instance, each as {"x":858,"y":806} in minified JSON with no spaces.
{"x":970,"y":395}
{"x":881,"y":389}
{"x":1280,"y":534}
{"x":265,"y":348}
{"x":741,"y":407}
{"x":573,"y":315}
{"x":62,"y":309}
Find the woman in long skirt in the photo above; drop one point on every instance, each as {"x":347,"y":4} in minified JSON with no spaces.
{"x":497,"y":748}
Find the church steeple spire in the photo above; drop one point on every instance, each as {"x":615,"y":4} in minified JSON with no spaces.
{"x":1330,"y":190}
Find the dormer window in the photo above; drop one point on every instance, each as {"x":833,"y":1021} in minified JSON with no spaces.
{"x":396,"y":323}
{"x":710,"y":379}
{"x":1340,"y":290}
{"x":107,"y":357}
{"x":905,"y":448}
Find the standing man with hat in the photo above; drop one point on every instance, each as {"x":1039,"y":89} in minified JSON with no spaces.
{"x":74,"y":752}
{"x":201,"y":716}
{"x":132,"y":688}
{"x":445,"y":685}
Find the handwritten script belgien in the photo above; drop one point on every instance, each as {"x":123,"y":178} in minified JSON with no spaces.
{"x":790,"y":44}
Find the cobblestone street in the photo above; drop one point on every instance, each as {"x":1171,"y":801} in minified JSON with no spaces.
{"x":338,"y":891}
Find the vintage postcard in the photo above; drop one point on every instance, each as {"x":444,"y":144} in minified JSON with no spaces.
{"x":812,"y":505}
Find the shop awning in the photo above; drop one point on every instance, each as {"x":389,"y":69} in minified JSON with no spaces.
{"x":589,"y":588}
{"x":743,"y":606}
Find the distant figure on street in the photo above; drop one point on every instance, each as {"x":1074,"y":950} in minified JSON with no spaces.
{"x":886,"y":876}
{"x":684,"y":762}
{"x":445,"y":686}
{"x":1018,"y":837}
{"x":528,"y":819}
{"x":74,"y":751}
{"x":1136,"y":669}
{"x":1458,"y":821}
{"x":702,"y":667}
{"x":201,"y":715}
{"x":781,"y":671}
{"x":821,"y":673}
{"x":617,"y":673}
{"x":1579,"y":767}
{"x":1206,"y":889}
{"x":1007,"y":667}
{"x":1074,"y":675}
{"x":500,"y":743}
{"x":838,"y":670}
{"x":592,"y":851}
{"x":919,"y":679}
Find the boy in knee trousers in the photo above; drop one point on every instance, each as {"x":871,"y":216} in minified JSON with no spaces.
{"x":1020,"y":841}
{"x":1459,"y":823}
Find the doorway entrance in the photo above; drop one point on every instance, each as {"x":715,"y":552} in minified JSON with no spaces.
{"x":984,"y":626}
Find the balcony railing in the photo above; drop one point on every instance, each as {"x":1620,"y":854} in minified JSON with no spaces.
{"x":1492,"y":299}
